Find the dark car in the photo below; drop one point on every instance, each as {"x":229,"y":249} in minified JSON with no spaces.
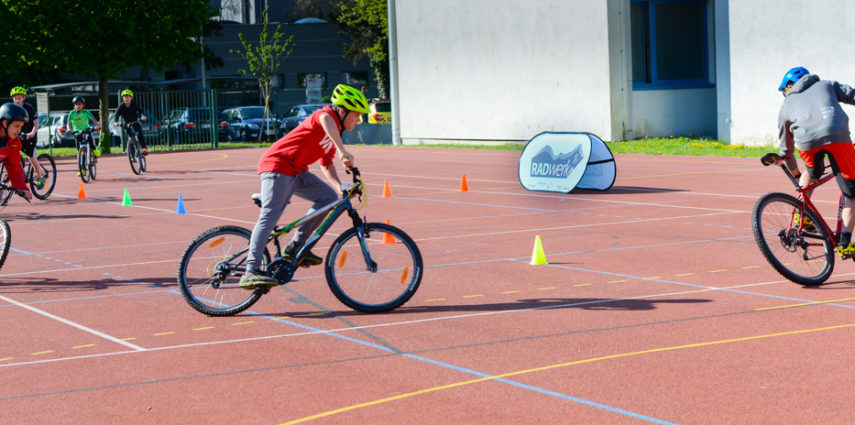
{"x":297,"y":113}
{"x":150,"y":130}
{"x":246,"y":122}
{"x":187,"y":125}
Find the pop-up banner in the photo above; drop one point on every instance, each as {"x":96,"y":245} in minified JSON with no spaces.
{"x":560,"y":162}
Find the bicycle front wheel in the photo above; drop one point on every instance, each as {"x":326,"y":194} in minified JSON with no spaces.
{"x":210,"y":269}
{"x":5,"y":241}
{"x":134,"y":157}
{"x":83,"y":166}
{"x":48,"y":169}
{"x":805,"y":257}
{"x":377,"y":274}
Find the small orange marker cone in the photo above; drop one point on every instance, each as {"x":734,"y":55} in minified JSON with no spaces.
{"x":81,"y":193}
{"x":387,"y":238}
{"x":463,"y":186}
{"x":387,"y":193}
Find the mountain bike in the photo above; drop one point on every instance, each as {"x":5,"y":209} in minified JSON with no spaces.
{"x":135,"y":155}
{"x":6,"y":191}
{"x":793,"y":235}
{"x":48,"y":168}
{"x":370,"y":267}
{"x":86,"y":160}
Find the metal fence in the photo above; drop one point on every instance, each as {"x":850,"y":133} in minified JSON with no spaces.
{"x":185,"y":120}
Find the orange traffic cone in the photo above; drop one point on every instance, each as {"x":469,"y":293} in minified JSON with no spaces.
{"x":387,"y":193}
{"x":387,"y":238}
{"x":463,"y":186}
{"x":81,"y":193}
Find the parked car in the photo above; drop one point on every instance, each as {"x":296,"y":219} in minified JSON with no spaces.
{"x":297,"y":114}
{"x":150,"y":129}
{"x":63,"y":139}
{"x":188,"y":125}
{"x":46,"y":127}
{"x":379,"y":111}
{"x":246,"y":122}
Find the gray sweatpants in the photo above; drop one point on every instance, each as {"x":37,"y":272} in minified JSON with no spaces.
{"x":276,"y":191}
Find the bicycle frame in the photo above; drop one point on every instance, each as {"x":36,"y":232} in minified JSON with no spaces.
{"x":806,"y":202}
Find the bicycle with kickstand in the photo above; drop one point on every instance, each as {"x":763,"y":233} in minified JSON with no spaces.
{"x":370,"y":267}
{"x":135,"y":154}
{"x":792,"y":234}
{"x":48,"y":169}
{"x":5,"y":231}
{"x":86,"y":160}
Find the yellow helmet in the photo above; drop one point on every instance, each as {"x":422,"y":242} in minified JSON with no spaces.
{"x":350,"y":98}
{"x":127,"y":92}
{"x":18,"y":90}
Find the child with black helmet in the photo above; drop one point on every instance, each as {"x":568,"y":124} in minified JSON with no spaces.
{"x":284,"y":171}
{"x":79,"y":119}
{"x":12,"y":119}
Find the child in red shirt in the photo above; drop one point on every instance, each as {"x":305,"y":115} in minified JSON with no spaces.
{"x":12,"y":119}
{"x":284,"y":171}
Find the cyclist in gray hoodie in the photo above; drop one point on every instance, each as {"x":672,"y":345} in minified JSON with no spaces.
{"x":812,"y":121}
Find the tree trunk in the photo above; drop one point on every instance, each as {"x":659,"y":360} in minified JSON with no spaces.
{"x":104,"y":115}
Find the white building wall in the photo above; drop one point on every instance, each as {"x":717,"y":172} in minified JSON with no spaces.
{"x":768,"y":37}
{"x":502,"y":70}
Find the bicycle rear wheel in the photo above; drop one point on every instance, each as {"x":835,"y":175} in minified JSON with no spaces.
{"x":5,"y":241}
{"x":83,"y":165}
{"x":382,"y":277}
{"x":48,"y":169}
{"x":134,"y":156}
{"x":210,"y":269}
{"x":806,"y":258}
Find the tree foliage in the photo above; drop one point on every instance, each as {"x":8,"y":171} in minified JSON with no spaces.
{"x":263,"y":59}
{"x":366,"y":22}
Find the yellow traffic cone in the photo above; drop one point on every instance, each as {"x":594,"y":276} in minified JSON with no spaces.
{"x":537,"y":255}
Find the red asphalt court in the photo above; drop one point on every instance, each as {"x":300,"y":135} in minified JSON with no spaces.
{"x":656,"y":305}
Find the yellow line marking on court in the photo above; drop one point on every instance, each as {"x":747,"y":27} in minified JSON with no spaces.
{"x":129,"y":339}
{"x":83,"y":346}
{"x":243,"y":323}
{"x":750,"y":267}
{"x":546,"y":288}
{"x":804,"y":304}
{"x":582,"y":284}
{"x":651,"y":277}
{"x":511,"y":292}
{"x":203,"y":329}
{"x":473,"y":296}
{"x":560,"y":365}
{"x":43,"y":352}
{"x":718,"y":271}
{"x":283,"y":318}
{"x":4,"y":359}
{"x":164,"y":333}
{"x":433,"y":300}
{"x":624,"y":280}
{"x":685,"y":274}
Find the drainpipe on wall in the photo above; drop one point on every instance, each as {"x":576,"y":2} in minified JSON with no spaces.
{"x":393,"y":72}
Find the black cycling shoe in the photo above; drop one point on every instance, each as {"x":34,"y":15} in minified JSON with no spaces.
{"x":310,"y":259}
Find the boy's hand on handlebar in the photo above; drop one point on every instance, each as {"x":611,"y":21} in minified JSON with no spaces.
{"x":771,"y":158}
{"x":346,"y":158}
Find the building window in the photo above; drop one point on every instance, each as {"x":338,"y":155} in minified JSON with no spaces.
{"x":670,"y":44}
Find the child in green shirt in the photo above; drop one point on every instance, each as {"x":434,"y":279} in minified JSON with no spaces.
{"x":79,"y":119}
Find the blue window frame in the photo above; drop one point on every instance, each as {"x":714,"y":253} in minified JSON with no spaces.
{"x":670,"y":45}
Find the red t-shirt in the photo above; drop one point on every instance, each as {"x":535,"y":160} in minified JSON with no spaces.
{"x":11,"y":154}
{"x":303,"y":146}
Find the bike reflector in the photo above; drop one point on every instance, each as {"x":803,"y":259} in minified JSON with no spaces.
{"x":216,"y":242}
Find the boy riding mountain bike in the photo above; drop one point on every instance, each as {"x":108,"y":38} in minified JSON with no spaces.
{"x":130,"y":112}
{"x":79,"y":120}
{"x":812,"y":121}
{"x":12,"y":119}
{"x":29,"y":132}
{"x":284,"y":171}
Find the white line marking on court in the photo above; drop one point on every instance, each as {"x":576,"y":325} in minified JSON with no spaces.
{"x":73,"y":324}
{"x":401,"y":323}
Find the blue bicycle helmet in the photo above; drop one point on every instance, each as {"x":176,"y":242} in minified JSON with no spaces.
{"x":792,"y":76}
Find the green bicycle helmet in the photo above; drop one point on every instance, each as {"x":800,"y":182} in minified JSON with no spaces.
{"x":18,"y":90}
{"x":349,"y":98}
{"x":127,"y":92}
